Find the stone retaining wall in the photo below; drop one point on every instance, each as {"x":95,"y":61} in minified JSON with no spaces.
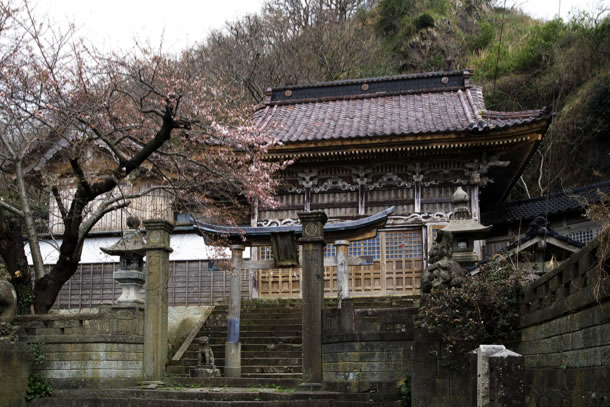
{"x":565,"y":335}
{"x":15,"y":363}
{"x":366,"y":349}
{"x":88,"y":347}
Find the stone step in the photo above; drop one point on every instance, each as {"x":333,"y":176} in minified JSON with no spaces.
{"x":272,"y":375}
{"x":252,"y":354}
{"x":265,"y":369}
{"x":261,"y":340}
{"x":235,"y":397}
{"x":260,"y":310}
{"x":129,"y":402}
{"x":279,"y":329}
{"x":245,"y":361}
{"x":250,"y":333}
{"x":174,"y":370}
{"x":240,"y":382}
{"x":260,"y":347}
{"x":215,"y":396}
{"x":245,"y":321}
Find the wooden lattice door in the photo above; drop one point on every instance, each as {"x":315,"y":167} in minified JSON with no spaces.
{"x":394,"y":266}
{"x":403,"y":261}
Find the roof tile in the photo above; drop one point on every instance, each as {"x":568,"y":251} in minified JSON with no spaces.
{"x":417,"y":110}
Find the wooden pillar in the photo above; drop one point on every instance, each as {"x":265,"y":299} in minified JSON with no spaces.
{"x":476,"y":215}
{"x":312,"y":242}
{"x":233,"y":346}
{"x":252,"y":274}
{"x":342,"y":271}
{"x":155,"y":308}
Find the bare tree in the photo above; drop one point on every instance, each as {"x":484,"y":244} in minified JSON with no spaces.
{"x":87,"y":124}
{"x":290,"y":42}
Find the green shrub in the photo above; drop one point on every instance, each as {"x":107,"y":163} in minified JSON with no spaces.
{"x":487,"y":33}
{"x":597,"y":108}
{"x":539,"y":50}
{"x":423,"y":21}
{"x":390,"y":15}
{"x":37,"y":387}
{"x":37,"y":351}
{"x":483,"y":311}
{"x":496,"y":55}
{"x":404,"y":391}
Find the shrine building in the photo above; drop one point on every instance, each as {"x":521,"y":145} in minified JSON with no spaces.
{"x":362,"y":146}
{"x":359,"y":147}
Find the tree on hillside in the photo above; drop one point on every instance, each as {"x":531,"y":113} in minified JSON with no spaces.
{"x":293,"y":42}
{"x":82,"y":127}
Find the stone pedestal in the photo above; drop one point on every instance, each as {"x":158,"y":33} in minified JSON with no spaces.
{"x":155,"y":316}
{"x":130,"y":281}
{"x":312,"y":286}
{"x":233,"y":346}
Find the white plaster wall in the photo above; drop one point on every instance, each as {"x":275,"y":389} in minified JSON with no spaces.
{"x":188,"y":246}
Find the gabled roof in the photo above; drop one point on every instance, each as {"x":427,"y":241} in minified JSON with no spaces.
{"x":437,"y":102}
{"x":540,"y":229}
{"x":553,"y":204}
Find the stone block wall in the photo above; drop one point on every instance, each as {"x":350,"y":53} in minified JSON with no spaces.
{"x":565,"y":334}
{"x":15,"y":363}
{"x":366,"y":349}
{"x":366,"y":366}
{"x":441,"y":379}
{"x":92,"y":347}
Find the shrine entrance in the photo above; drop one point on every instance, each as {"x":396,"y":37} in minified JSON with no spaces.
{"x":393,"y":264}
{"x":311,"y":236}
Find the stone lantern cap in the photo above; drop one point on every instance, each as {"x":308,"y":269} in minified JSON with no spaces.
{"x":461,"y":223}
{"x":468,"y":227}
{"x":131,"y":242}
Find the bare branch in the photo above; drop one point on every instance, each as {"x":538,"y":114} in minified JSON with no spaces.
{"x":10,"y":208}
{"x":86,"y":225}
{"x":60,"y":204}
{"x":81,"y":177}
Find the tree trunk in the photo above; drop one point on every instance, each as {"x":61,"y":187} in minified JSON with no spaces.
{"x":47,"y":288}
{"x":28,"y":218}
{"x":12,"y":248}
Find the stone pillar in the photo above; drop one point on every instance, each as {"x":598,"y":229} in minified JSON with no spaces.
{"x":155,"y":308}
{"x":342,"y":271}
{"x":500,"y":377}
{"x":233,"y":346}
{"x":312,"y":284}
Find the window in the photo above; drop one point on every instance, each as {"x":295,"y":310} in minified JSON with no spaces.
{"x":330,"y":250}
{"x":368,"y":247}
{"x":583,"y":236}
{"x":403,"y":245}
{"x":265,"y":253}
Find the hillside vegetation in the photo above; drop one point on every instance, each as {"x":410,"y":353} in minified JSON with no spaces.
{"x":522,"y":63}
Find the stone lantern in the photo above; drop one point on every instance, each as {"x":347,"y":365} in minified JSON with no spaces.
{"x":131,"y":248}
{"x":464,"y":229}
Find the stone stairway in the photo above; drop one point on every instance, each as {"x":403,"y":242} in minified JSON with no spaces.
{"x":270,"y":336}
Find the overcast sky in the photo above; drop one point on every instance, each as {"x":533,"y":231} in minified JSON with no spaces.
{"x":112,"y":24}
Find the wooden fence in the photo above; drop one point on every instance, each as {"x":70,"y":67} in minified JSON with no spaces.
{"x":190,"y":283}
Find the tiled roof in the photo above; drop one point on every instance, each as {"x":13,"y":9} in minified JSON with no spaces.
{"x":560,"y":202}
{"x":541,"y":227}
{"x":442,"y":102}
